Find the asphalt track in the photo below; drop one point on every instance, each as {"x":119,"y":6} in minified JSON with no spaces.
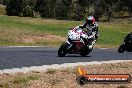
{"x":17,"y":57}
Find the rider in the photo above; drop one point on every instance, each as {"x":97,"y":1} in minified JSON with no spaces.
{"x":128,"y":37}
{"x":92,"y":33}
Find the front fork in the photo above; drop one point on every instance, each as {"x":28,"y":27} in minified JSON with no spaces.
{"x":69,"y":43}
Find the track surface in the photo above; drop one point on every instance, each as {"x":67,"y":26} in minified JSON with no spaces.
{"x":17,"y":57}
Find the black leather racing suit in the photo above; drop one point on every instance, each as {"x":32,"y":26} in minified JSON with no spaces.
{"x":92,"y":32}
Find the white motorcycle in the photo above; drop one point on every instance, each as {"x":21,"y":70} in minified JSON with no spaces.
{"x":75,"y":44}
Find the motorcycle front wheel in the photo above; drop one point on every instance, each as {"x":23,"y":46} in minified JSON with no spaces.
{"x":121,"y":49}
{"x":63,"y":49}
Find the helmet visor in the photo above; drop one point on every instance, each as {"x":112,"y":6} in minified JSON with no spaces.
{"x":89,"y":21}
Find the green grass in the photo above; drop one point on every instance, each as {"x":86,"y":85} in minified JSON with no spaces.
{"x":51,"y":71}
{"x":53,"y":26}
{"x":20,"y":81}
{"x":112,"y":34}
{"x":14,"y":29}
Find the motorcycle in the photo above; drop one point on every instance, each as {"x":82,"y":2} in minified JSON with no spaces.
{"x":75,"y":44}
{"x":127,"y":44}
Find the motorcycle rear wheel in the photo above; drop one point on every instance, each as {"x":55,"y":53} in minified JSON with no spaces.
{"x":63,"y":49}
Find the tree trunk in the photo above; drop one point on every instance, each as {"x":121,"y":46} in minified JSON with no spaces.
{"x":110,"y":14}
{"x":130,"y":8}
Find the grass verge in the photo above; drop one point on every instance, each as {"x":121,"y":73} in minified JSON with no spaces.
{"x":65,"y":78}
{"x":17,"y":31}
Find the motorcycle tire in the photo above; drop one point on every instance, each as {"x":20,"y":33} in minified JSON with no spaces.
{"x":121,"y":49}
{"x":63,"y":50}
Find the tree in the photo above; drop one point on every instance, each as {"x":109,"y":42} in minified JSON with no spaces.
{"x":106,"y":7}
{"x":1,"y":1}
{"x":15,"y":7}
{"x":5,"y":2}
{"x":20,"y":7}
{"x":99,"y":9}
{"x":130,"y":7}
{"x":28,"y":11}
{"x":111,"y":4}
{"x":62,"y":9}
{"x":46,"y":8}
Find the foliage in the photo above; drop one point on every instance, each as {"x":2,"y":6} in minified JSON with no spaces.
{"x":68,"y":9}
{"x":20,"y":7}
{"x":4,"y":2}
{"x":27,"y":11}
{"x":15,"y":7}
